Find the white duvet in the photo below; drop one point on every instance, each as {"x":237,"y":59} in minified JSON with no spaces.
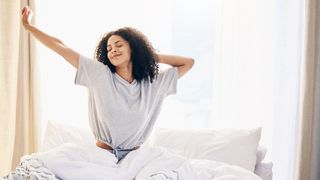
{"x":78,"y":162}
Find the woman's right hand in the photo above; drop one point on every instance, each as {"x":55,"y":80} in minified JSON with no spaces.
{"x":26,"y":16}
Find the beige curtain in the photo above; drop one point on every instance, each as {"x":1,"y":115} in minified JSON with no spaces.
{"x":308,"y":152}
{"x":19,"y":124}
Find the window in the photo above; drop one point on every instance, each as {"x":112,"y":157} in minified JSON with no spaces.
{"x":165,"y":23}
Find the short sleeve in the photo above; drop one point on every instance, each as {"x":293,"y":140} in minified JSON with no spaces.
{"x":88,"y":71}
{"x":166,"y":81}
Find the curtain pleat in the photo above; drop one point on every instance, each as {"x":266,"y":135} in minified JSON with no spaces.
{"x":308,"y":98}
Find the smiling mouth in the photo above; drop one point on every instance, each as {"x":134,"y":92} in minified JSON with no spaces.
{"x":116,"y":55}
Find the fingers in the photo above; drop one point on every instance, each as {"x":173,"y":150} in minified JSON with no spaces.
{"x":25,"y":11}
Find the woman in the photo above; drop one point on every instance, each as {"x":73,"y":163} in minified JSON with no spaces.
{"x":125,"y":89}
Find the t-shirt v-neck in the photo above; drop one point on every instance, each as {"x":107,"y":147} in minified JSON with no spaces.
{"x":123,"y":81}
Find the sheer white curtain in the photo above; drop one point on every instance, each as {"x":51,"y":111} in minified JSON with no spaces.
{"x":258,"y":50}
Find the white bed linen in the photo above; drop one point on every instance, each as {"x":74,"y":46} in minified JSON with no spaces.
{"x":264,"y":170}
{"x":72,"y":161}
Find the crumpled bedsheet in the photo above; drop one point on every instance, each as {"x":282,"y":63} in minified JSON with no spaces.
{"x":72,"y":161}
{"x":30,"y":168}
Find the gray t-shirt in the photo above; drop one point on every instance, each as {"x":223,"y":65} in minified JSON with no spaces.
{"x":122,"y":114}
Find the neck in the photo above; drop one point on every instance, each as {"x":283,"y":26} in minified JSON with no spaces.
{"x":125,"y":72}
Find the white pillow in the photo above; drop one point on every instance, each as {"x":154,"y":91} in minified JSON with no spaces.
{"x":57,"y":134}
{"x":237,"y":147}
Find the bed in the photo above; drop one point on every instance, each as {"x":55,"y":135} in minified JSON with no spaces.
{"x":69,"y":153}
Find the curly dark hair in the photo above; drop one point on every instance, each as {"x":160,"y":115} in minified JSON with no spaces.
{"x":144,"y":59}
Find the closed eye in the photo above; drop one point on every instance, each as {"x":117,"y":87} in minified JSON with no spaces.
{"x":117,"y":45}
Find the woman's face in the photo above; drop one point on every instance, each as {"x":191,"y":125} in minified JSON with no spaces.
{"x":119,"y":51}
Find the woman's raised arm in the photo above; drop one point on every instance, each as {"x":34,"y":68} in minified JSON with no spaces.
{"x":184,"y":64}
{"x":51,"y":42}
